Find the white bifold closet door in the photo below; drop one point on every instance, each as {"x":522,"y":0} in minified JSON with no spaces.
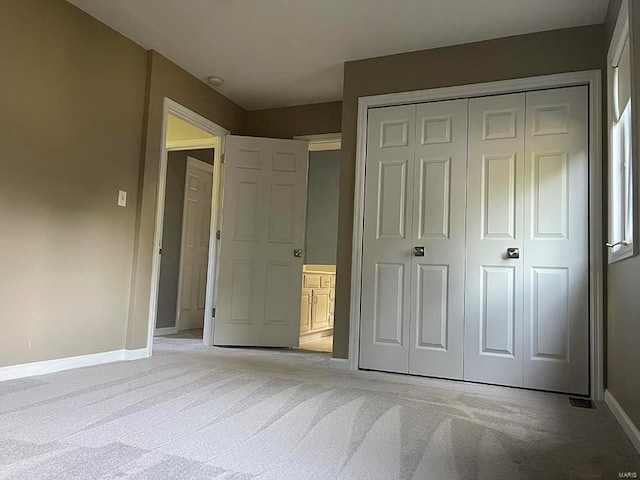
{"x":556,"y":241}
{"x":387,"y":255}
{"x":413,"y":258}
{"x":495,"y":182}
{"x":527,"y":316}
{"x":475,"y":258}
{"x":437,"y":282}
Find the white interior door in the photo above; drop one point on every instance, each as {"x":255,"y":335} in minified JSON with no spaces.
{"x":437,"y":283}
{"x":195,"y":244}
{"x":494,"y":301}
{"x":387,"y":253}
{"x":263,"y":223}
{"x":556,"y":249}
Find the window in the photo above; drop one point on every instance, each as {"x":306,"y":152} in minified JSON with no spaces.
{"x":621,"y":185}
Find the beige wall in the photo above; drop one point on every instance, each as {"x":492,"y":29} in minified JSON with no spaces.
{"x":72,"y":103}
{"x":623,"y":305}
{"x":82,"y":114}
{"x":521,"y":56}
{"x":291,"y":121}
{"x":165,"y":79}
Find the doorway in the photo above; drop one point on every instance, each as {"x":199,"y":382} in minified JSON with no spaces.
{"x":185,"y":243}
{"x":265,"y":181}
{"x":186,"y":262}
{"x":317,"y":304}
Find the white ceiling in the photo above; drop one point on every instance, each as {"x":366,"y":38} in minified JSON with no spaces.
{"x":275,"y":53}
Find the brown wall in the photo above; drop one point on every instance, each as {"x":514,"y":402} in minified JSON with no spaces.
{"x":82,"y":115}
{"x":165,"y":79}
{"x":506,"y":58}
{"x":292,"y":121}
{"x":72,"y":106}
{"x":623,"y":305}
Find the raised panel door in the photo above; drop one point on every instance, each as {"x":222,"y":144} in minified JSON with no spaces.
{"x":263,"y":222}
{"x":437,"y":279}
{"x":494,"y":281}
{"x":556,"y":264}
{"x":195,"y":244}
{"x":387,"y":253}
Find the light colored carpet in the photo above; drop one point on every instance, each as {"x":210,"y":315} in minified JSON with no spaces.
{"x":194,"y":334}
{"x":324,"y":344}
{"x":193,"y":412}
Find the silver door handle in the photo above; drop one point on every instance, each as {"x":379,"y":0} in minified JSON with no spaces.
{"x":624,"y":243}
{"x":513,"y":252}
{"x":297,"y":253}
{"x":418,"y":251}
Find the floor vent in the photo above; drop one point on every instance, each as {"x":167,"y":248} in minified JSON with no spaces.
{"x":582,"y":402}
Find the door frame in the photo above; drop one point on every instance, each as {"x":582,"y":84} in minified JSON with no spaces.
{"x":592,"y":79}
{"x":183,"y":113}
{"x":191,"y":161}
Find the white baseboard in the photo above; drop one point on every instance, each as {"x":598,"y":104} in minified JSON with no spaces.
{"x":165,"y":331}
{"x":24,"y":370}
{"x":623,"y":419}
{"x":135,"y":354}
{"x":340,"y":364}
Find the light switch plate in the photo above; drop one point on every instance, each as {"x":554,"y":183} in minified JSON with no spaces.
{"x":122,"y":198}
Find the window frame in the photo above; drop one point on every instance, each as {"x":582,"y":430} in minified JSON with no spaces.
{"x":622,"y":171}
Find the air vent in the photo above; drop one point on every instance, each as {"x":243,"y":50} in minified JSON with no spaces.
{"x":581,"y":402}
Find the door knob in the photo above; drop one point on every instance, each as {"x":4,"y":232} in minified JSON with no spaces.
{"x":297,"y":253}
{"x":418,"y":251}
{"x":513,"y":252}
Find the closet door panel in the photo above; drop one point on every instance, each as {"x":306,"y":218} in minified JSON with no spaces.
{"x":494,"y":282}
{"x":437,"y":288}
{"x":556,"y":293}
{"x":388,"y":226}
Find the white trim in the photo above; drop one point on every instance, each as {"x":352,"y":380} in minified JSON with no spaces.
{"x":322,"y":142}
{"x":623,"y":419}
{"x":139,"y":354}
{"x":213,"y":265}
{"x":192,"y":144}
{"x":61,"y":364}
{"x":618,"y":41}
{"x":620,"y":32}
{"x":593,"y":80}
{"x":183,"y":113}
{"x":165,"y":331}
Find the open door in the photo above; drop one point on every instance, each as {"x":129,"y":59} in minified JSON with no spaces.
{"x":262,"y":237}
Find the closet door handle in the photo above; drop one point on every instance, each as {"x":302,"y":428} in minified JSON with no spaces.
{"x":418,"y":251}
{"x":513,"y":252}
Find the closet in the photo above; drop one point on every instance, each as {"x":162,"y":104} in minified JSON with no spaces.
{"x":475,"y":250}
